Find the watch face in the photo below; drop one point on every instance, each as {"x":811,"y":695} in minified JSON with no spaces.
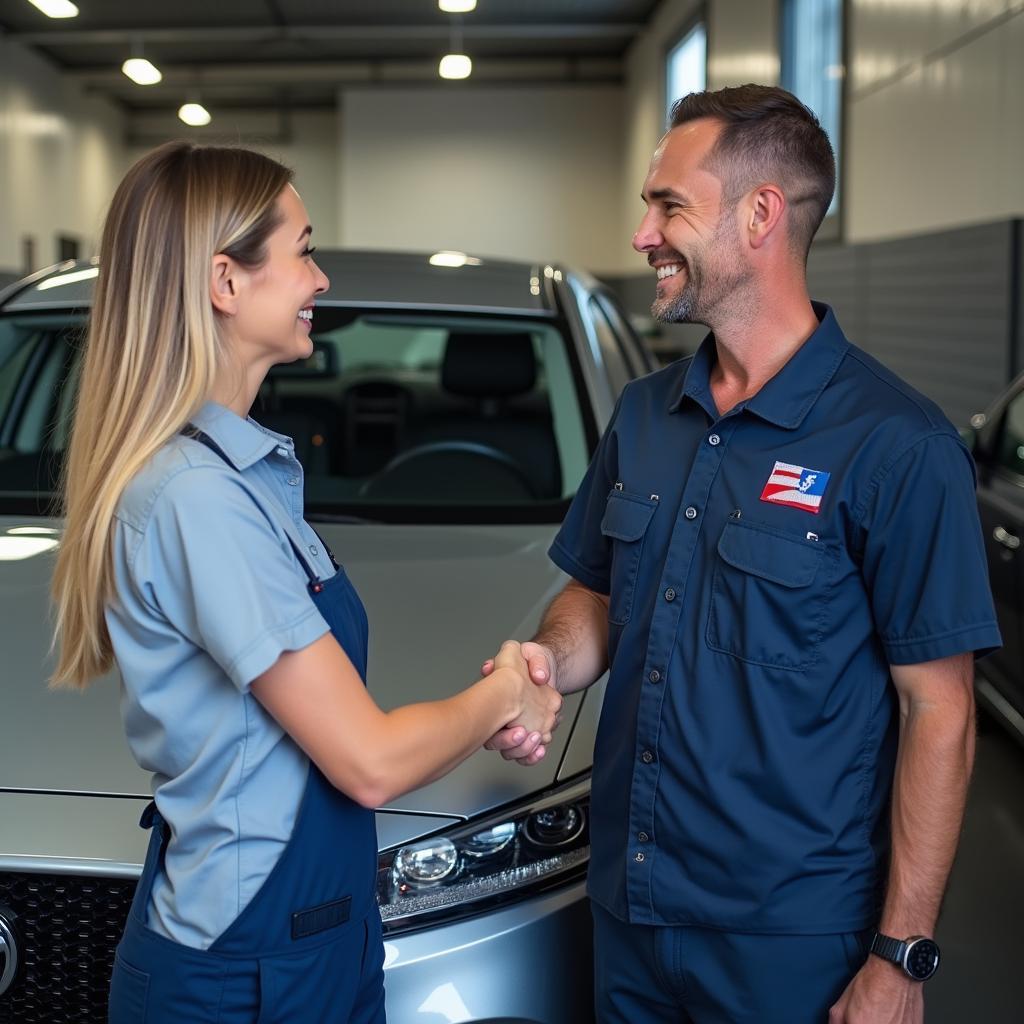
{"x":922,"y":959}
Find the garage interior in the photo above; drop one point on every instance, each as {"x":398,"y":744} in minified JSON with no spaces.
{"x":539,"y":156}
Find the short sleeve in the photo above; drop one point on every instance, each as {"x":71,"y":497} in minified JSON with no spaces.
{"x":580,"y":548}
{"x":222,"y":573}
{"x":923,"y":559}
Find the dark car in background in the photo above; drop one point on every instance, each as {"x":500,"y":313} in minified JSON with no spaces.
{"x":445,"y":418}
{"x":996,"y":437}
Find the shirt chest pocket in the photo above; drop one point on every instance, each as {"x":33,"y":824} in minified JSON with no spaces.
{"x":625,"y":521}
{"x":769,"y":597}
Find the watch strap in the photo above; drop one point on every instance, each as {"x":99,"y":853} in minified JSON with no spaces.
{"x":888,"y":948}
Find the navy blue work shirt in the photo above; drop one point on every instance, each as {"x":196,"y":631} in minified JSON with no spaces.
{"x":765,"y":567}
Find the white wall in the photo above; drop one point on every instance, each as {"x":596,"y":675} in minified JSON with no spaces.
{"x":935,"y":132}
{"x":307,"y":141}
{"x":529,"y":173}
{"x":61,"y":157}
{"x":743,"y":42}
{"x":645,"y":106}
{"x":934,"y":116}
{"x":742,"y":47}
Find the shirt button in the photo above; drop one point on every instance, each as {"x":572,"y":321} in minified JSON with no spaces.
{"x":642,"y":836}
{"x":714,"y":439}
{"x":313,"y":549}
{"x":647,"y":757}
{"x":283,"y":452}
{"x":691,"y":513}
{"x":655,"y":676}
{"x":293,"y":481}
{"x":639,"y":858}
{"x":670,"y":594}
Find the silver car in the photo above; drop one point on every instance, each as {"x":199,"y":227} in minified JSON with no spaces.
{"x":445,"y":419}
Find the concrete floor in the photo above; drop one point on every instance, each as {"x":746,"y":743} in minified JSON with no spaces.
{"x":981,"y":930}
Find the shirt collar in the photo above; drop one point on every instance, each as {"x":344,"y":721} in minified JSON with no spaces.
{"x":787,"y":398}
{"x":243,"y":441}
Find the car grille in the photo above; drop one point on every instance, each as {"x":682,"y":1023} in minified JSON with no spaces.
{"x":67,"y":929}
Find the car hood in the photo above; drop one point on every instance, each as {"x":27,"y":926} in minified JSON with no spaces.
{"x":440,"y":600}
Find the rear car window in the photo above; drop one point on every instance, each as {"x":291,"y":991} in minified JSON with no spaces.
{"x":395,"y":417}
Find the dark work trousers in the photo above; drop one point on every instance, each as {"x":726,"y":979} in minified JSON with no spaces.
{"x":685,"y":975}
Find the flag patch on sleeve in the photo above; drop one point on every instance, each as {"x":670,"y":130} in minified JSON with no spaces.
{"x":796,"y":487}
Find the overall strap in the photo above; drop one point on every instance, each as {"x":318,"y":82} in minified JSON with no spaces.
{"x":315,"y":582}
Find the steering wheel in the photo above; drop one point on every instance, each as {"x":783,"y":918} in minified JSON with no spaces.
{"x":442,"y":466}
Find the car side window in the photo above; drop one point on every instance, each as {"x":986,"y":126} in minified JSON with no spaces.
{"x":16,"y":350}
{"x":632,"y":346}
{"x":1010,"y":449}
{"x":619,"y":371}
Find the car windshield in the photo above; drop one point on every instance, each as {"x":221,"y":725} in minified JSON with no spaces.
{"x":396,"y":417}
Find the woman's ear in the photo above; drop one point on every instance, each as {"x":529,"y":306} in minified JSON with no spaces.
{"x":224,"y":284}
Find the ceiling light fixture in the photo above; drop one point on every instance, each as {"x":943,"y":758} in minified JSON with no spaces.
{"x":455,"y":65}
{"x":457,"y":6}
{"x":56,"y":8}
{"x":194,"y":114}
{"x":141,"y":71}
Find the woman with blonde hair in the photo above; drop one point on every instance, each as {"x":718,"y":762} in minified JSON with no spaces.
{"x":241,"y":645}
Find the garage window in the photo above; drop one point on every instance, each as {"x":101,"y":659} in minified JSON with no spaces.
{"x":813,"y":70}
{"x":686,"y":65}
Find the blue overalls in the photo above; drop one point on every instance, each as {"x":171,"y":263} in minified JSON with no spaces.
{"x":307,"y":949}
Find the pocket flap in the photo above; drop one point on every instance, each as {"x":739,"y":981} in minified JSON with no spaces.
{"x":626,"y":516}
{"x":789,"y":561}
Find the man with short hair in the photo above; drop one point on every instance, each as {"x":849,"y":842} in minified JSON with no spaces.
{"x":776,"y":552}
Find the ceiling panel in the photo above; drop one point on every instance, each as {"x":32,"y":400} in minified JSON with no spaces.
{"x":195,"y":40}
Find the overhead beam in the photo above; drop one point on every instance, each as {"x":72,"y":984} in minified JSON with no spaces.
{"x":178,"y":76}
{"x":305,"y":33}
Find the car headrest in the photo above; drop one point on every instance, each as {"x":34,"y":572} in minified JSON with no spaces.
{"x":488,"y":365}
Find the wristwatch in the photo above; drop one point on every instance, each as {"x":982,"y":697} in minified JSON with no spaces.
{"x":918,"y":956}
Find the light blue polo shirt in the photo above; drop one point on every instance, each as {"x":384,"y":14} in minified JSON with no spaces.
{"x":209,"y":594}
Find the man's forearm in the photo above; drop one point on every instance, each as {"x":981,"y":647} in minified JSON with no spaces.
{"x":933,"y":768}
{"x":575,"y":630}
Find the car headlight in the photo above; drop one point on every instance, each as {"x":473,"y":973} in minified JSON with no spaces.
{"x":494,"y":860}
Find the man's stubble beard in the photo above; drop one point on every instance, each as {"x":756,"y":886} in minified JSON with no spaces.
{"x":701,"y":296}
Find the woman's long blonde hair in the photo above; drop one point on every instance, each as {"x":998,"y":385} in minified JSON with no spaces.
{"x":151,"y":357}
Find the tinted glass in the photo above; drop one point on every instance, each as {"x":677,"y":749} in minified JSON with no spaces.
{"x":1010,"y":451}
{"x":398,"y":416}
{"x":611,"y":348}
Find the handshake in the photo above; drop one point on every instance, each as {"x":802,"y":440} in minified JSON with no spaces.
{"x":525,"y":739}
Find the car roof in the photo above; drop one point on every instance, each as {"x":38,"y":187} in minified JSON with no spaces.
{"x":392,"y":280}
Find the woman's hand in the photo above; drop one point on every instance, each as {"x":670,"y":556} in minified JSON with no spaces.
{"x":541,"y":705}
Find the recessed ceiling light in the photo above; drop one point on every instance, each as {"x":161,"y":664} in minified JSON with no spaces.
{"x":455,"y":65}
{"x":56,"y":8}
{"x":194,"y":114}
{"x":141,"y":71}
{"x":457,"y":6}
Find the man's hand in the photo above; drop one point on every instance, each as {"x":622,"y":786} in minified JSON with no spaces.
{"x":879,"y":994}
{"x":515,"y":743}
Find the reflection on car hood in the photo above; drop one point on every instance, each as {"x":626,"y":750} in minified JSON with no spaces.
{"x":440,"y":600}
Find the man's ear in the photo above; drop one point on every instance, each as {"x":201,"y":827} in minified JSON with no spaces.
{"x":765,"y":221}
{"x":224,"y":284}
